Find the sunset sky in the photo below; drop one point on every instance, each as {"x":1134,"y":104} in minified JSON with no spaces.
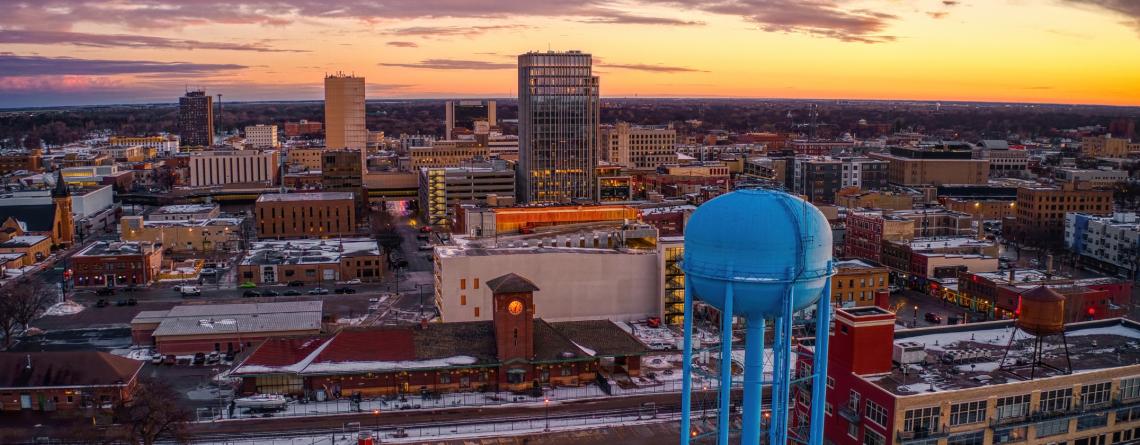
{"x":58,"y":52}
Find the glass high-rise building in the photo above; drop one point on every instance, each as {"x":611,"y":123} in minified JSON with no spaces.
{"x":196,"y":119}
{"x":558,"y":127}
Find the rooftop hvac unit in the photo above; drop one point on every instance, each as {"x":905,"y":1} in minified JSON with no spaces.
{"x":907,"y":352}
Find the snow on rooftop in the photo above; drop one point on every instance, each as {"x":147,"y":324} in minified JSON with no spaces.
{"x":186,"y":208}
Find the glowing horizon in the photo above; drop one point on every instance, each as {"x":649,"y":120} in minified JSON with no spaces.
{"x":107,"y":51}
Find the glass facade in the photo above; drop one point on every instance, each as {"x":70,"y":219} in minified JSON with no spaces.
{"x":558,"y":127}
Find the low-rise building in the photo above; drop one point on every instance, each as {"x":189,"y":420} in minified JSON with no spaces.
{"x":948,"y":164}
{"x":308,"y":214}
{"x":996,"y":294}
{"x":1107,"y":146}
{"x":1109,"y":243}
{"x":856,"y":283}
{"x":165,"y":145}
{"x":307,"y":157}
{"x":867,"y":230}
{"x":605,"y":271}
{"x":312,"y":261}
{"x":31,"y":248}
{"x":185,"y":212}
{"x":111,"y":264}
{"x":950,"y":384}
{"x":1097,"y":178}
{"x":261,"y":136}
{"x":65,"y":381}
{"x":193,"y":328}
{"x":1040,"y":217}
{"x":210,"y":168}
{"x":638,"y":146}
{"x":225,"y":234}
{"x":30,"y":161}
{"x":441,"y":189}
{"x":304,"y":128}
{"x":511,"y":350}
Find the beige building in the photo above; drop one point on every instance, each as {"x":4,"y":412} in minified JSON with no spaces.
{"x":344,"y":112}
{"x":914,"y":166}
{"x":703,"y":170}
{"x":637,"y":146}
{"x":310,"y":158}
{"x":1108,"y":147}
{"x":214,"y":168}
{"x":444,"y":154}
{"x":198,"y":235}
{"x":586,"y":275}
{"x":165,"y":145}
{"x":261,"y":136}
{"x":854,"y":198}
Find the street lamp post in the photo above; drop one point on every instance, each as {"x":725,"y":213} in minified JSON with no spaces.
{"x":546,"y":403}
{"x":376,"y":414}
{"x":916,"y":315}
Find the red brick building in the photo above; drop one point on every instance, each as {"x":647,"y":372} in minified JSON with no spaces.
{"x":514,"y":351}
{"x":110,"y":264}
{"x":65,"y":381}
{"x":997,"y":294}
{"x":192,"y":328}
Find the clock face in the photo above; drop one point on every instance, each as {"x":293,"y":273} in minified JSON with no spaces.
{"x":515,"y":307}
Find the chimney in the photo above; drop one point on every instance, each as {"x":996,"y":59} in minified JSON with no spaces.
{"x":1011,"y":275}
{"x":1049,"y":264}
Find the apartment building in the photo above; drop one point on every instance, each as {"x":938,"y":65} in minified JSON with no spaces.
{"x":637,"y":146}
{"x":222,"y":167}
{"x":304,"y":215}
{"x":261,"y":136}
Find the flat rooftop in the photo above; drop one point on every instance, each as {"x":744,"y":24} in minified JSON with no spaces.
{"x":200,"y":319}
{"x":104,"y":248}
{"x":185,"y":208}
{"x":308,"y":251}
{"x":969,"y":356}
{"x":952,"y":242}
{"x":313,"y":196}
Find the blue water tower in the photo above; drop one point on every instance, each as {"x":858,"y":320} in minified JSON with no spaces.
{"x":759,"y":254}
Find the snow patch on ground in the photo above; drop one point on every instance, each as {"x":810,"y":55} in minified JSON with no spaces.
{"x":134,"y":353}
{"x":65,"y":308}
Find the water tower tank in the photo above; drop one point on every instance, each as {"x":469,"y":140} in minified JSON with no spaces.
{"x":1041,"y":311}
{"x":762,"y":241}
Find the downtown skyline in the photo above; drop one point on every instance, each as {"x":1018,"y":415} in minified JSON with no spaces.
{"x":107,"y":51}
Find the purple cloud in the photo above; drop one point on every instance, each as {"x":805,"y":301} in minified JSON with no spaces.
{"x":29,"y":37}
{"x":403,"y":44}
{"x":13,"y":65}
{"x":821,"y":18}
{"x":651,"y":68}
{"x":1129,"y":9}
{"x":453,"y":64}
{"x":448,"y":31}
{"x":616,"y":17}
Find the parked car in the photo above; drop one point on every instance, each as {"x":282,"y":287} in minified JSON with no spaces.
{"x":102,"y":303}
{"x":229,"y":357}
{"x":105,"y":291}
{"x":156,"y":359}
{"x":120,"y":302}
{"x":131,"y":288}
{"x":296,"y":283}
{"x":345,"y":290}
{"x":191,"y":291}
{"x":170,"y":360}
{"x":199,"y":358}
{"x":270,"y":293}
{"x":292,"y":293}
{"x":425,"y":246}
{"x":353,"y":282}
{"x":213,"y":358}
{"x":318,"y":291}
{"x":933,"y":318}
{"x":251,"y":294}
{"x":132,"y":302}
{"x":247,"y":285}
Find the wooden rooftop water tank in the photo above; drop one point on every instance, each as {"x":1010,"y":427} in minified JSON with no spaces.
{"x":1041,"y":311}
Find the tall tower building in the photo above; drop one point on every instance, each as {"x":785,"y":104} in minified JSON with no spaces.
{"x":61,"y":196}
{"x":344,"y":112}
{"x":196,"y":119}
{"x":558,"y":127}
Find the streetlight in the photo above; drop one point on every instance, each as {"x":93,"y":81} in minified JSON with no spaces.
{"x":376,"y":414}
{"x":546,"y":403}
{"x":916,"y":315}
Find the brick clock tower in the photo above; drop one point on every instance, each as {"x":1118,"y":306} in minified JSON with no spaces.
{"x":513,"y":318}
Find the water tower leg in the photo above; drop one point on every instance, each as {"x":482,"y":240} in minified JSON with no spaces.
{"x":819,"y":365}
{"x":753,"y":382}
{"x":687,"y":367}
{"x":725,"y":367}
{"x":781,"y":373}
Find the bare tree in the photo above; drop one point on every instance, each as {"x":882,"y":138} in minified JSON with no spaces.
{"x":8,"y":323}
{"x":152,"y":414}
{"x":30,"y":298}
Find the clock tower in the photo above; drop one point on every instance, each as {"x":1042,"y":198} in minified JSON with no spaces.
{"x":513,"y":315}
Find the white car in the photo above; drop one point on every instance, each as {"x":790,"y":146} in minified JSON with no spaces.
{"x":353,"y":282}
{"x":190,"y":291}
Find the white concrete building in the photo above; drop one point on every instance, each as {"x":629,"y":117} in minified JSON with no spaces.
{"x":582,"y":275}
{"x":261,"y":136}
{"x":1109,"y":243}
{"x":217,"y":167}
{"x":1097,"y":177}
